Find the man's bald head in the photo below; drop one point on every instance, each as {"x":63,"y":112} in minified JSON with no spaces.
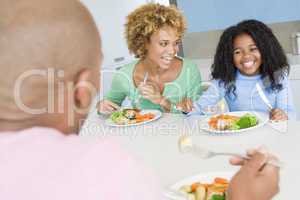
{"x":41,"y":34}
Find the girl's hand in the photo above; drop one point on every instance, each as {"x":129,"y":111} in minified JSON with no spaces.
{"x":107,"y":107}
{"x":186,"y":105}
{"x":278,"y":115}
{"x":151,"y":91}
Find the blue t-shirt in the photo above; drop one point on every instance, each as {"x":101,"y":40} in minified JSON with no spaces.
{"x":247,"y":97}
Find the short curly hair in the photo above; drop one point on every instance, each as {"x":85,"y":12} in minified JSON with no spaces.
{"x":146,"y":20}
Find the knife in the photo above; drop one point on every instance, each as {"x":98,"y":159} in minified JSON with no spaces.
{"x":263,"y":96}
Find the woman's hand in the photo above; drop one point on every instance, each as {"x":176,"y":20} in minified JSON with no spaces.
{"x":186,"y":105}
{"x":107,"y":107}
{"x":151,"y":91}
{"x":278,"y":115}
{"x":256,"y":179}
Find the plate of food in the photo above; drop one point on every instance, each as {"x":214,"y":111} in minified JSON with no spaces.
{"x":234,"y":122}
{"x":209,"y":186}
{"x":131,"y":117}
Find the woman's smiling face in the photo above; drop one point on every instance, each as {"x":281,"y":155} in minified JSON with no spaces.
{"x":163,"y":46}
{"x":246,"y":55}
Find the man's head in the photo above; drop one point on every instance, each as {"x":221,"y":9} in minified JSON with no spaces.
{"x":49,"y":63}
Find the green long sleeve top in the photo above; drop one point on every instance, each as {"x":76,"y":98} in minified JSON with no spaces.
{"x":187,"y":84}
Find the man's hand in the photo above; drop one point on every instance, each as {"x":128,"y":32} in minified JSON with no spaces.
{"x":256,"y":180}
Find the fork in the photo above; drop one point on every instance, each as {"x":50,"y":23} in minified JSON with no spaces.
{"x":137,"y":100}
{"x":186,"y":145}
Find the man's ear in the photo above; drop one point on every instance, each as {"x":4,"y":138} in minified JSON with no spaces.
{"x":85,"y":88}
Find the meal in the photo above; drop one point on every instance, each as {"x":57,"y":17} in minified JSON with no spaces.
{"x":130,"y":116}
{"x":206,"y":191}
{"x":230,"y":122}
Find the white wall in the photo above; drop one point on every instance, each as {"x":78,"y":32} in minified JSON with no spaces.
{"x":110,"y":17}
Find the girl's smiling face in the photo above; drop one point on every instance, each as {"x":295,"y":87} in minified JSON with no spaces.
{"x":246,"y":55}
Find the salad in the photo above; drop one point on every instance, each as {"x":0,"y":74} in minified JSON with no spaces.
{"x":130,"y":116}
{"x":231,"y":122}
{"x":206,"y":191}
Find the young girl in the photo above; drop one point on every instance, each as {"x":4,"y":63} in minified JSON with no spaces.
{"x":249,"y":54}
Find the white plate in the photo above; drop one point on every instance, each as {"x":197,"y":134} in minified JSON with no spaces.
{"x":263,"y":118}
{"x":157,"y":114}
{"x":204,"y":178}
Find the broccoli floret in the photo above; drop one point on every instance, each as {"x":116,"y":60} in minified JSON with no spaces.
{"x":247,"y":121}
{"x":235,"y":126}
{"x":116,"y":115}
{"x":218,"y":197}
{"x":253,"y":120}
{"x":121,"y":120}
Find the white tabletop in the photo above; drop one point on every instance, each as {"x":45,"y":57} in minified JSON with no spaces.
{"x":156,"y":145}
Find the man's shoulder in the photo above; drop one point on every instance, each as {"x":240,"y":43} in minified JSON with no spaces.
{"x":33,"y":132}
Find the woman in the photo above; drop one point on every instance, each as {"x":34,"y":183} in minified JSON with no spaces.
{"x":158,"y":79}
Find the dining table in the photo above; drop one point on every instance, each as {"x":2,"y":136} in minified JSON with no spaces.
{"x":156,"y":145}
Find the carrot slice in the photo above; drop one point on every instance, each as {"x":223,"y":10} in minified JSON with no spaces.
{"x":194,"y":186}
{"x":221,"y":180}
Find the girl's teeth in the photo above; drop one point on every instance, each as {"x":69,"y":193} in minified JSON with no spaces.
{"x":248,"y":64}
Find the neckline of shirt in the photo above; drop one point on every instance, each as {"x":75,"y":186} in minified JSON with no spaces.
{"x":239,"y":75}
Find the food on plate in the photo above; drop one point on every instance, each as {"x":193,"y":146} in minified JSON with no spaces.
{"x":206,"y":191}
{"x":130,"y":116}
{"x":231,"y":122}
